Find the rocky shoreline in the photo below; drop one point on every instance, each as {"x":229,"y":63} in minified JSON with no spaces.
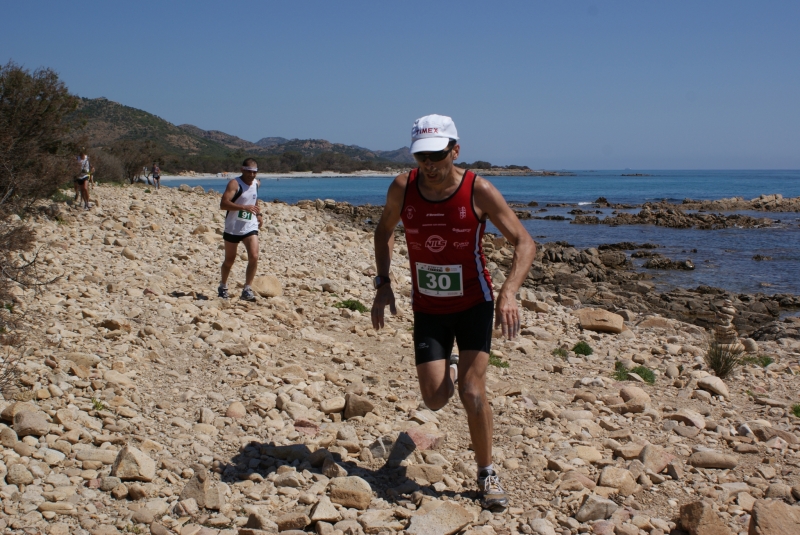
{"x":146,"y":406}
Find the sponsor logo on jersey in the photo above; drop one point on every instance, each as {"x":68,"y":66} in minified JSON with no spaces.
{"x":412,"y":230}
{"x":462,"y":212}
{"x":434,"y":215}
{"x":462,"y":230}
{"x":436,"y":244}
{"x":460,"y":244}
{"x":415,"y":246}
{"x":434,"y":224}
{"x":410,"y":211}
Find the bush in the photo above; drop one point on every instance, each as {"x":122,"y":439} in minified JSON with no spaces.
{"x":560,"y":352}
{"x":724,"y":359}
{"x":796,"y":409}
{"x":352,"y":304}
{"x":107,"y":167}
{"x":645,"y":373}
{"x":620,"y":372}
{"x":496,"y":361}
{"x":760,"y":360}
{"x":582,"y":348}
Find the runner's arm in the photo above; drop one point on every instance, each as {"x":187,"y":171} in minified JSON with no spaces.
{"x":384,"y":244}
{"x":490,"y":202}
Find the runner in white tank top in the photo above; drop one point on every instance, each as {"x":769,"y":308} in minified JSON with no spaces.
{"x":242,"y":222}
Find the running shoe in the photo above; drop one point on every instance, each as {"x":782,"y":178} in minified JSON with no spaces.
{"x":454,"y":366}
{"x":248,"y":295}
{"x":491,"y":491}
{"x":222,"y":293}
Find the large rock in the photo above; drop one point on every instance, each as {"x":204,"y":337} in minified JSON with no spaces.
{"x":712,"y":459}
{"x":600,"y":320}
{"x":357,"y":406}
{"x":201,"y":489}
{"x":713,"y":384}
{"x":31,"y":423}
{"x":595,"y":508}
{"x":688,"y":417}
{"x":446,"y":519}
{"x":18,"y":474}
{"x":699,"y":518}
{"x":617,"y":478}
{"x":132,"y":464}
{"x":351,"y":491}
{"x":324,"y":511}
{"x":13,"y":409}
{"x":424,"y":438}
{"x":655,"y":458}
{"x":634,"y":393}
{"x":773,"y":517}
{"x":267,"y":286}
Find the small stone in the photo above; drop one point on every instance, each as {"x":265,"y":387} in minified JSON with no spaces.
{"x":595,"y":508}
{"x":132,"y":464}
{"x":267,"y":286}
{"x":446,"y":519}
{"x":293,"y":521}
{"x":699,"y":518}
{"x":655,"y":458}
{"x":351,"y":491}
{"x":715,"y":385}
{"x":712,"y":459}
{"x":18,"y":474}
{"x":618,"y":478}
{"x":356,"y":405}
{"x":331,"y":405}
{"x":236,"y":410}
{"x":31,"y":423}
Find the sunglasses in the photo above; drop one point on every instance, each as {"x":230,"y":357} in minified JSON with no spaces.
{"x":432,"y":156}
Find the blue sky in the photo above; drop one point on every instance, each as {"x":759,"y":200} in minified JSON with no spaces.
{"x":580,"y":85}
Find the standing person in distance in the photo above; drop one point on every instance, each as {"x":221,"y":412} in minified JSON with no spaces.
{"x":82,"y":178}
{"x":242,"y":222}
{"x":156,"y":171}
{"x":444,"y":211}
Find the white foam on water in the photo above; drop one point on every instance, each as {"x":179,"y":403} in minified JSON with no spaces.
{"x":584,"y":203}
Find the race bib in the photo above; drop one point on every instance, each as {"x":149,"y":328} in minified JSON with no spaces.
{"x":244,"y":215}
{"x":439,"y":281}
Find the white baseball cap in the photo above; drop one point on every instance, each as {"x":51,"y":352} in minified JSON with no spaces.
{"x":432,"y":133}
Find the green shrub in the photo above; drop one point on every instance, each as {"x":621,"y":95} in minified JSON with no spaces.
{"x":796,"y":409}
{"x":559,"y":352}
{"x":60,"y":196}
{"x":760,"y":360}
{"x":582,"y":348}
{"x":147,"y":190}
{"x":620,"y":373}
{"x":494,"y":360}
{"x":724,"y":359}
{"x":98,"y":405}
{"x":645,"y":373}
{"x":352,"y":304}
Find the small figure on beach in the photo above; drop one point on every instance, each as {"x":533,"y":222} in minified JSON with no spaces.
{"x":444,"y":210}
{"x":156,"y":172}
{"x":81,"y":188}
{"x":242,"y":221}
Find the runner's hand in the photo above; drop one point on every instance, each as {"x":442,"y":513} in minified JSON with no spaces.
{"x":507,"y":315}
{"x":384,"y":296}
{"x":253,"y":209}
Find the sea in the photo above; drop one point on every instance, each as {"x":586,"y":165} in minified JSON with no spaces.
{"x":723,"y":258}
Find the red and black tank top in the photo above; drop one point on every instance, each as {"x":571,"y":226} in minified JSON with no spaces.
{"x":448,"y":268}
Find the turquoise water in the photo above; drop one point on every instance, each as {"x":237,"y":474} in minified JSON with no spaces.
{"x":723,"y":257}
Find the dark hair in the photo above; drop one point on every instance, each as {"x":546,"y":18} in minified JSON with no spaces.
{"x":249,"y":162}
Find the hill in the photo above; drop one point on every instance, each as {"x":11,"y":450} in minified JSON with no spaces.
{"x":106,"y":123}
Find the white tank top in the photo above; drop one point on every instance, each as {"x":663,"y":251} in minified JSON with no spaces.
{"x":239,"y":222}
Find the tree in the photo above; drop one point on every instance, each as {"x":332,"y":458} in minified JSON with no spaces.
{"x":134,"y":157}
{"x":36,"y":155}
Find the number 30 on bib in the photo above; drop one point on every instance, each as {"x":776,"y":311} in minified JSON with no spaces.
{"x":439,"y":281}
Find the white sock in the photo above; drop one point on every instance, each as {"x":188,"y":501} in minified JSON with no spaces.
{"x":247,"y":287}
{"x":482,"y":468}
{"x":223,"y":286}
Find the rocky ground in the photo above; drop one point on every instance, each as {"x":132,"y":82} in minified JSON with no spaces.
{"x":147,"y":405}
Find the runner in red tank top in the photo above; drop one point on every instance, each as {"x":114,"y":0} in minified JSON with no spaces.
{"x":444,"y":211}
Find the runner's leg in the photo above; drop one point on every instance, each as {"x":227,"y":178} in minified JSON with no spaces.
{"x":227,"y":264}
{"x":84,"y":187}
{"x":472,"y":391}
{"x":251,"y":245}
{"x":435,"y":383}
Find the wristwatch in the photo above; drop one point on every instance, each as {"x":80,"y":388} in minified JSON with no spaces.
{"x":380,"y":281}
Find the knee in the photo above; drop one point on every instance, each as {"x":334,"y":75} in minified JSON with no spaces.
{"x":228,"y":264}
{"x":434,"y":399}
{"x":473,"y":396}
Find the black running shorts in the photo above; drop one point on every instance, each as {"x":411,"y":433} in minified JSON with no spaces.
{"x":434,"y":334}
{"x":233,"y":238}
